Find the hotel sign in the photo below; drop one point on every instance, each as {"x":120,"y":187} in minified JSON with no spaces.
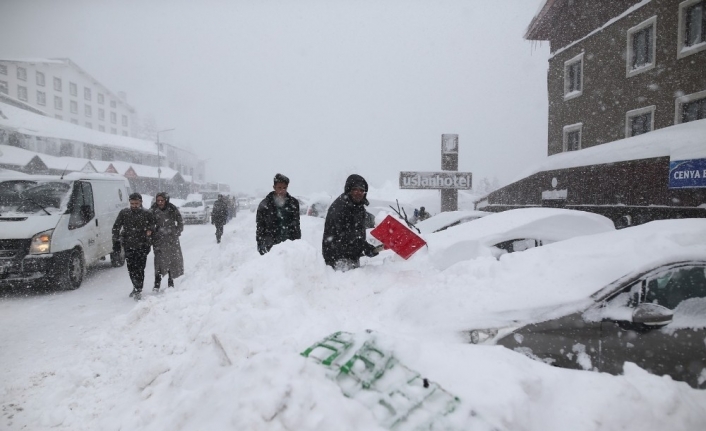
{"x":684,"y":174}
{"x":444,"y":180}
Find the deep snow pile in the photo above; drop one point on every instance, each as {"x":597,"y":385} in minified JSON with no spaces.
{"x":222,"y":352}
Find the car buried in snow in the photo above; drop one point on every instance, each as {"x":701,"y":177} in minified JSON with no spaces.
{"x":636,"y":295}
{"x":510,"y":231}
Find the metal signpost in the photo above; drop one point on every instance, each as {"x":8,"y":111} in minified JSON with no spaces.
{"x":449,"y":181}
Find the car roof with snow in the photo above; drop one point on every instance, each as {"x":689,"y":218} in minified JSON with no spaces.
{"x":447,"y":219}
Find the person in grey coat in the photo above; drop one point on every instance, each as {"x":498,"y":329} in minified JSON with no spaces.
{"x":168,"y":259}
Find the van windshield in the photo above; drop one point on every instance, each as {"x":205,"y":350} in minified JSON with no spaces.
{"x":33,"y":197}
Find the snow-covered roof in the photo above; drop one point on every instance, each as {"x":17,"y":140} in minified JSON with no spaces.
{"x":152,"y":172}
{"x":16,"y":156}
{"x":680,"y":142}
{"x":70,"y":164}
{"x":28,"y":123}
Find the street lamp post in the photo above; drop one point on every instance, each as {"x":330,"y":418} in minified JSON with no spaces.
{"x":159,"y":162}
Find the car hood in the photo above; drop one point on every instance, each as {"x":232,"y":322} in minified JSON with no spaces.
{"x":26,"y":226}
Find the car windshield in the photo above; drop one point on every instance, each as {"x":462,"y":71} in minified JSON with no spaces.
{"x":33,"y":197}
{"x":193,"y":204}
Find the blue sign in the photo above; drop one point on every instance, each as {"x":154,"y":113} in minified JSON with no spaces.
{"x":685,"y":174}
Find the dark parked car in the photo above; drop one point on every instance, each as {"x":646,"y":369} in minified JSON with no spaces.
{"x":654,"y":316}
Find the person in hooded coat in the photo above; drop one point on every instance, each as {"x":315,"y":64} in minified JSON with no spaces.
{"x":344,"y":241}
{"x":277,"y":217}
{"x":168,"y":259}
{"x":219,"y":216}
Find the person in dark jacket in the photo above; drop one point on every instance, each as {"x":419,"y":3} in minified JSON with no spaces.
{"x":344,"y":241}
{"x":277,"y":217}
{"x":219,"y":216}
{"x":168,"y":259}
{"x":133,"y":228}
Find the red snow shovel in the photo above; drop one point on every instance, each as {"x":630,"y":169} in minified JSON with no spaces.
{"x":397,"y":237}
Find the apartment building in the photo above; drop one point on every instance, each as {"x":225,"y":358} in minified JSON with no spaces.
{"x":621,"y":68}
{"x":62,"y":90}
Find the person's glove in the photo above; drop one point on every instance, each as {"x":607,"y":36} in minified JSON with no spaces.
{"x":374,"y":251}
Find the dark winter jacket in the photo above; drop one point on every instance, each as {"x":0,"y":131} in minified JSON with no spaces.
{"x":165,"y":240}
{"x":277,"y":224}
{"x":131,"y":228}
{"x":344,"y":229}
{"x":219,"y":215}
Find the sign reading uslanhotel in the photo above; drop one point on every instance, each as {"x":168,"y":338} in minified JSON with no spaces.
{"x":436,"y":180}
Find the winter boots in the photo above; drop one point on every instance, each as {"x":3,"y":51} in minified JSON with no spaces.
{"x":136,"y":294}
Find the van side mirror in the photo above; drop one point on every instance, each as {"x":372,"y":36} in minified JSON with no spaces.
{"x":652,"y":315}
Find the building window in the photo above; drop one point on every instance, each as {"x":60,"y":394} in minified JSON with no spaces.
{"x":74,"y":107}
{"x":58,"y":103}
{"x":74,"y":121}
{"x":101,"y":114}
{"x":57,"y":84}
{"x":101,"y":128}
{"x":691,"y":107}
{"x":89,"y":125}
{"x":692,"y":27}
{"x":21,"y":73}
{"x":87,"y":93}
{"x":113,"y":117}
{"x":3,"y":69}
{"x":3,"y":87}
{"x":641,"y":47}
{"x":73,"y":89}
{"x":113,"y":130}
{"x":100,"y":98}
{"x":41,"y":98}
{"x":572,"y":137}
{"x":113,"y":104}
{"x":40,"y":79}
{"x":58,"y":117}
{"x":87,"y":110}
{"x":22,"y":93}
{"x":573,"y":77}
{"x":639,"y":121}
{"x":124,"y":120}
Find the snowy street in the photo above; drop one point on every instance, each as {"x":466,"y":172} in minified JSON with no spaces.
{"x":222,"y":349}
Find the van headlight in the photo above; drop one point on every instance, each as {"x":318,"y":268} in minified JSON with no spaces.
{"x":41,"y":242}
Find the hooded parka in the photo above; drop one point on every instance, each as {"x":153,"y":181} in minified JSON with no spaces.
{"x":344,"y":229}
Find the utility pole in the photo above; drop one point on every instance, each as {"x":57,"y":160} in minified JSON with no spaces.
{"x":159,"y":162}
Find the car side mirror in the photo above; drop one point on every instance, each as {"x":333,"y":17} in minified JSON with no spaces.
{"x":652,"y":315}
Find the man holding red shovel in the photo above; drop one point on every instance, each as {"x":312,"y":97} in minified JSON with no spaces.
{"x":344,"y":241}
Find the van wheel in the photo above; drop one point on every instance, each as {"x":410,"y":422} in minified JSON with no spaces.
{"x":72,"y":274}
{"x":117,"y":259}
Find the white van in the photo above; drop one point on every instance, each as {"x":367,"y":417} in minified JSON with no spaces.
{"x":52,"y":228}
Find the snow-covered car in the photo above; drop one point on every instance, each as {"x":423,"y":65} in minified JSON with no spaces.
{"x":448,"y":219}
{"x":635,"y":295}
{"x":317,"y":205}
{"x":511,"y":231}
{"x":195,"y":212}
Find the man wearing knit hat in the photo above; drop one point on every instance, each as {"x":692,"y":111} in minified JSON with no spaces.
{"x":344,"y":230}
{"x":277,"y":217}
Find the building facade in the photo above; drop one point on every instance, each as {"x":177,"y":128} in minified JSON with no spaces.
{"x":621,"y":68}
{"x":62,"y":90}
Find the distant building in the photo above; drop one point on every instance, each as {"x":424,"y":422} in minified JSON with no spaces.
{"x":62,"y":90}
{"x":621,"y":68}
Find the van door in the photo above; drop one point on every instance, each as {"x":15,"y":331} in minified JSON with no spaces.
{"x":83,"y":223}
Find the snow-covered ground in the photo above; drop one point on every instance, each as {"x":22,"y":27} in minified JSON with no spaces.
{"x":221,"y":351}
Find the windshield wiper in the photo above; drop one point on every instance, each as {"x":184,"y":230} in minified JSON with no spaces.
{"x":24,"y":198}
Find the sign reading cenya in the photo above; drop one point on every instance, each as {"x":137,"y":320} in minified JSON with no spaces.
{"x":436,"y":180}
{"x":685,"y":174}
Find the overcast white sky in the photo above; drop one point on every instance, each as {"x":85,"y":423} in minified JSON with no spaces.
{"x":315,"y":89}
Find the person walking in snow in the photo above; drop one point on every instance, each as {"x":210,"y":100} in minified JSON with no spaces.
{"x":277,"y":217}
{"x":133,"y":228}
{"x":219,"y":216}
{"x":344,"y":241}
{"x":168,"y":259}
